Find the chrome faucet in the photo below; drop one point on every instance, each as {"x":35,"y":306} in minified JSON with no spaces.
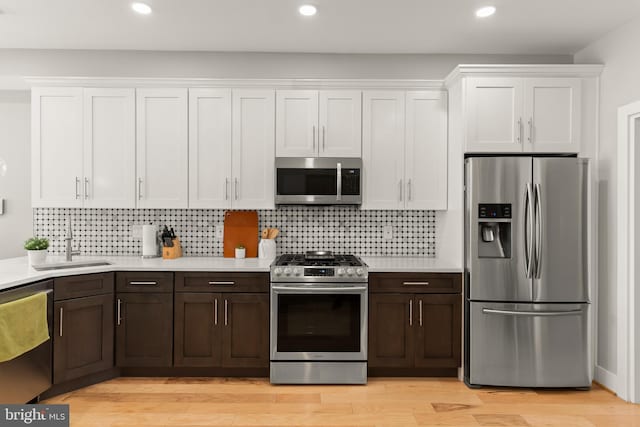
{"x":69,"y":239}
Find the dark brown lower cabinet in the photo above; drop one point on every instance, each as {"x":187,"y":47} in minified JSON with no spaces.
{"x":144,"y":329}
{"x":414,"y":330}
{"x":229,"y":330}
{"x":83,"y":337}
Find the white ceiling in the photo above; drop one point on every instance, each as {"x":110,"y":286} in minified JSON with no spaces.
{"x":341,"y":26}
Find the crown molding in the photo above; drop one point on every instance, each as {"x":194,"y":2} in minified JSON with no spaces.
{"x":523,"y":70}
{"x":402,"y":84}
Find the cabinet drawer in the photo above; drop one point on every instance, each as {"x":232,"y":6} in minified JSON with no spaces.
{"x":415,"y":282}
{"x":82,"y":286}
{"x":144,"y":281}
{"x":222,"y":282}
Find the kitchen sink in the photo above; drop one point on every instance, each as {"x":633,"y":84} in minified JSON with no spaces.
{"x":70,"y":264}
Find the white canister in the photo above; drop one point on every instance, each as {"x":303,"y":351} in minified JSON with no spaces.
{"x":267,"y":249}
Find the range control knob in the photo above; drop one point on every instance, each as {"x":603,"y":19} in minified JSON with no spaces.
{"x":341,"y":272}
{"x":359,"y":271}
{"x":277,"y":271}
{"x":350,"y":271}
{"x":297,"y":271}
{"x":287,"y":271}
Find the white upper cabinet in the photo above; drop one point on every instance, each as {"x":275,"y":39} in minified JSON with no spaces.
{"x":318,"y":123}
{"x":523,"y":115}
{"x":552,"y":115}
{"x":297,"y":123}
{"x":383,"y":149}
{"x":56,"y":147}
{"x":253,"y":149}
{"x":210,"y":148}
{"x":340,"y":130}
{"x":109,"y":148}
{"x":494,"y":114}
{"x":162,"y":147}
{"x":426,"y":150}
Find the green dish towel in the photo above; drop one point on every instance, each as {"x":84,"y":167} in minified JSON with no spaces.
{"x":23,"y":325}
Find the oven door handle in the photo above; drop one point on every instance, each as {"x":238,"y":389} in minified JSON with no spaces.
{"x":298,"y":289}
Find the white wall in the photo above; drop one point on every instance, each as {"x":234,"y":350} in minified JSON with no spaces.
{"x":19,"y":62}
{"x":16,"y":223}
{"x":620,"y":85}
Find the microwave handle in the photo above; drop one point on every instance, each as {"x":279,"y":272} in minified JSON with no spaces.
{"x":339,"y":182}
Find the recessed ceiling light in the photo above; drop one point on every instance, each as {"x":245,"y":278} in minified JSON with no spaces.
{"x":141,"y":8}
{"x":307,"y":10}
{"x":486,"y":11}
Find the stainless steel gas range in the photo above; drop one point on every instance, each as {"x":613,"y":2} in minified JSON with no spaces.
{"x":319,"y":319}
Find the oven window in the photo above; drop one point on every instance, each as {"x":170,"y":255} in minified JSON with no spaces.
{"x":307,"y":182}
{"x":318,"y":323}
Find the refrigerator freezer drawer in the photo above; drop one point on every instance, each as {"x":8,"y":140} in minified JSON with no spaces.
{"x":529,"y":345}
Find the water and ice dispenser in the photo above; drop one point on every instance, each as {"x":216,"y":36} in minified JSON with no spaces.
{"x":494,"y":227}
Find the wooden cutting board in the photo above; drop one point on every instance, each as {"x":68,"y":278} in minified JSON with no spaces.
{"x":240,"y":228}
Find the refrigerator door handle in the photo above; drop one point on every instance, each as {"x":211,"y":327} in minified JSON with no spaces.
{"x":538,"y":233}
{"x":531,"y":313}
{"x":528,"y":232}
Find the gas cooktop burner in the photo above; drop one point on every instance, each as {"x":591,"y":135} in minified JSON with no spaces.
{"x":318,"y":267}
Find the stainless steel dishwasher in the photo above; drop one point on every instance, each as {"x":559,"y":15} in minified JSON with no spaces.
{"x":28,"y":375}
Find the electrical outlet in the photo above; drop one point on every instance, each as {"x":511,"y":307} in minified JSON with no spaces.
{"x":219,"y":231}
{"x":136,"y":231}
{"x":387,"y":232}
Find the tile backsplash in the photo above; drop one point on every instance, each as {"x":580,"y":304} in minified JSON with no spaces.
{"x":342,"y":229}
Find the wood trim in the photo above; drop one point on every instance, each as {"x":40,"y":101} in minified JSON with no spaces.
{"x":194,"y":372}
{"x":52,"y":81}
{"x":77,"y":383}
{"x":523,"y":70}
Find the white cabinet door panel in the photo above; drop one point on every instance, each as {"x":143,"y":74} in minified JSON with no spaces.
{"x":494,"y":115}
{"x":297,"y":123}
{"x":383,"y":149}
{"x":109,"y":148}
{"x":552,"y":115}
{"x":426,"y":150}
{"x":162,"y":147}
{"x":340,"y":133}
{"x":253,"y":149}
{"x":56,"y":147}
{"x":210,"y":148}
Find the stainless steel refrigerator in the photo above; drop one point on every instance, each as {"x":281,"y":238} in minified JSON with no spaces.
{"x":526,"y":283}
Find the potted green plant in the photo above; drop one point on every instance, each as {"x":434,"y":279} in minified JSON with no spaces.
{"x":241,"y":252}
{"x":36,"y":250}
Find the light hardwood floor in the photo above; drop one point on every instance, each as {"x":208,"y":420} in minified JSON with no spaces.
{"x":129,"y":402}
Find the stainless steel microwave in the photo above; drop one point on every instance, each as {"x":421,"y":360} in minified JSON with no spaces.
{"x":318,"y":181}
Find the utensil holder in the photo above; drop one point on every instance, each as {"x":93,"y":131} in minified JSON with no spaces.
{"x":267,"y":249}
{"x":172,"y":252}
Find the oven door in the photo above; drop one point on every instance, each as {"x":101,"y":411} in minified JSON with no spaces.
{"x":323,"y":322}
{"x":322,"y":181}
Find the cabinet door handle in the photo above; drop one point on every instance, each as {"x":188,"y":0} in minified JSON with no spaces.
{"x":519,"y":138}
{"x":215,"y":312}
{"x":61,"y":316}
{"x":236,"y":188}
{"x":226,"y":313}
{"x":530,"y":137}
{"x":86,"y":188}
{"x":415,"y":283}
{"x":150,"y":283}
{"x":420,"y":310}
{"x":409,"y":190}
{"x":119,"y":312}
{"x":222,"y":283}
{"x":324,"y":145}
{"x":410,"y":312}
{"x":400,"y":189}
{"x":226,"y":188}
{"x":313,"y":137}
{"x":77,"y":188}
{"x":139,"y":188}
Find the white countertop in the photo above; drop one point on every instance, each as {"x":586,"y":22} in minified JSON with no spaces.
{"x":410,"y":264}
{"x":16,"y":271}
